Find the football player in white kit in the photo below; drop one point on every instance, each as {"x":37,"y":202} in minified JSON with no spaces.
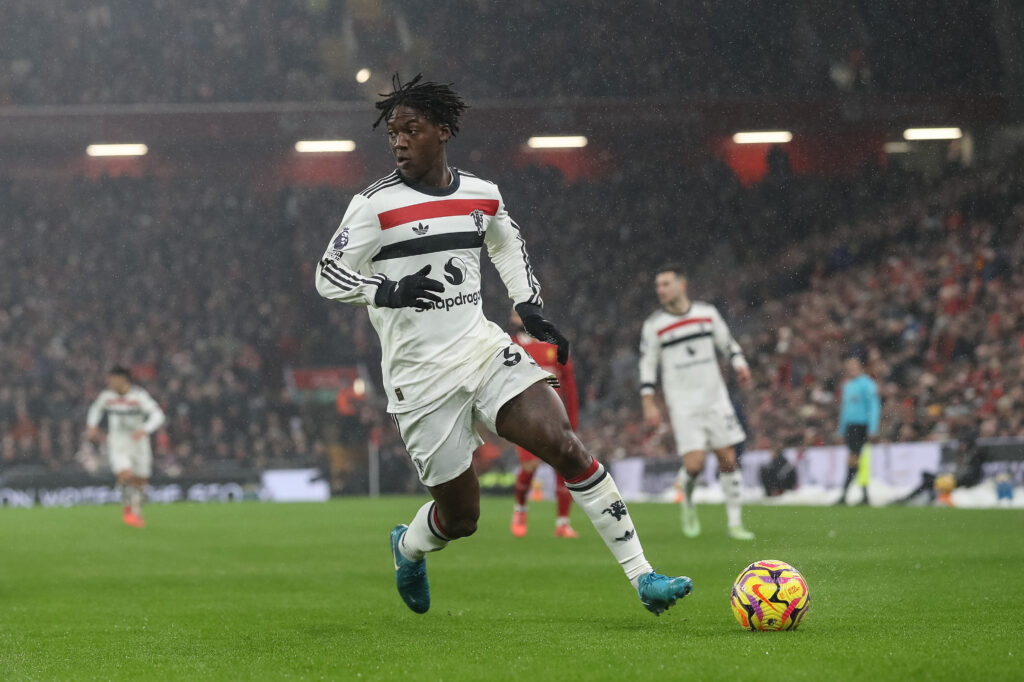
{"x":445,"y":366}
{"x":132,"y":417}
{"x":681,"y":340}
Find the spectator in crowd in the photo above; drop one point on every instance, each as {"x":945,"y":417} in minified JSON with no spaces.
{"x":924,"y":275}
{"x":128,"y":52}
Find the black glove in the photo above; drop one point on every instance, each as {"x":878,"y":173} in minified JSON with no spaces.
{"x":542,"y":330}
{"x":411,"y":291}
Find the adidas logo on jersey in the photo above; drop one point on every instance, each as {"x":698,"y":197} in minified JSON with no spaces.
{"x":421,"y":229}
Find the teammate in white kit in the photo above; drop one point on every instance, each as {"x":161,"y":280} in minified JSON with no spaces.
{"x":681,"y":340}
{"x":132,"y":417}
{"x":445,"y":366}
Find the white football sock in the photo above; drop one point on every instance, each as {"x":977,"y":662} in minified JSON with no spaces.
{"x":689,"y":482}
{"x":732,"y":487}
{"x":136,"y":500}
{"x":596,"y":494}
{"x":424,"y":535}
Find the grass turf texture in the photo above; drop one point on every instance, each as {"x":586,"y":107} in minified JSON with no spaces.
{"x":244,"y":591}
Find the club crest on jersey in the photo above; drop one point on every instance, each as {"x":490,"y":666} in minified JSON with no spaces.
{"x":421,"y":229}
{"x":478,"y":220}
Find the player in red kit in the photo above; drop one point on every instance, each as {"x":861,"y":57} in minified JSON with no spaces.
{"x":546,"y":355}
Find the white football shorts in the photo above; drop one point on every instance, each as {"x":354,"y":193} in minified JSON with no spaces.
{"x":441,"y":437}
{"x":709,"y":429}
{"x":134,"y":455}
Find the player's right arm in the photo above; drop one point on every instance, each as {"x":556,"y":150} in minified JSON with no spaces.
{"x":93,"y":418}
{"x":650,"y":357}
{"x":354,"y":243}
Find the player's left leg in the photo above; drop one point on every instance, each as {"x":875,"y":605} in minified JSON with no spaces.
{"x":724,"y":434}
{"x":136,"y":493}
{"x":693,"y":466}
{"x":691,"y":433}
{"x":124,"y":484}
{"x":142,"y":469}
{"x":732,"y":486}
{"x":535,"y":419}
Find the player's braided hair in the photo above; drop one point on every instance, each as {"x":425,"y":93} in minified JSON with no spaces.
{"x":436,"y":101}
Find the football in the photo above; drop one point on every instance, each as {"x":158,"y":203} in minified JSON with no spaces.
{"x":769,"y":595}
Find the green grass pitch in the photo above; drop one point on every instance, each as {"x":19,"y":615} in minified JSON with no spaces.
{"x":261,"y":591}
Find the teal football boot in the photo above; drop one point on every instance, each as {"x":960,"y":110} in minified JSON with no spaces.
{"x":410,"y":576}
{"x":658,"y":592}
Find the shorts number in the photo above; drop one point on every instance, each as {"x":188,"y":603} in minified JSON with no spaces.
{"x":512,"y":358}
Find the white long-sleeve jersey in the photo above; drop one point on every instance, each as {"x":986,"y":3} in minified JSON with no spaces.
{"x":126,"y":413}
{"x":392,"y":229}
{"x":683,"y":348}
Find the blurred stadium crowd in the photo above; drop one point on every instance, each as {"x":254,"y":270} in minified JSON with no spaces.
{"x":172,"y":51}
{"x":175,"y":280}
{"x":205,"y":289}
{"x":920,"y":277}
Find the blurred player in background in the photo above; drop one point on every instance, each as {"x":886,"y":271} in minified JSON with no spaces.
{"x":132,"y":417}
{"x":858,"y":421}
{"x":681,"y":340}
{"x":445,"y":366}
{"x":546,"y":355}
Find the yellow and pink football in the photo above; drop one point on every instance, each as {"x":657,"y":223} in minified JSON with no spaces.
{"x":769,"y":595}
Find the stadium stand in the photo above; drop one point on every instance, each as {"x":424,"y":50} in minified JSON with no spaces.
{"x":203,"y":286}
{"x":174,"y":51}
{"x":922,"y":276}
